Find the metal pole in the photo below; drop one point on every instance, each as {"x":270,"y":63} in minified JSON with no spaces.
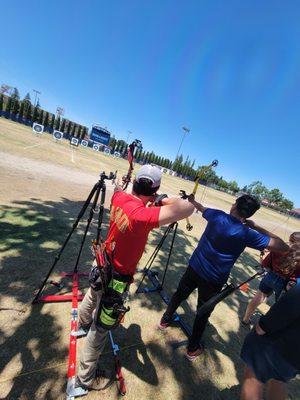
{"x":35,"y":96}
{"x":186,"y":130}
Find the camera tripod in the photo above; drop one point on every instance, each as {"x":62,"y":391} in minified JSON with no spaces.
{"x":153,"y":275}
{"x":99,"y":189}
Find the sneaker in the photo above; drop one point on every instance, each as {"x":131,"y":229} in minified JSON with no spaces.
{"x":163,"y":324}
{"x":79,"y":389}
{"x":81,"y":331}
{"x":192,"y":355}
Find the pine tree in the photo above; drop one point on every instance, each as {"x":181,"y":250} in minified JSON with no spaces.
{"x":1,"y":102}
{"x":151,"y":157}
{"x":112,"y":143}
{"x":52,"y":120}
{"x":8,"y":107}
{"x":85,"y":133}
{"x":21,"y":111}
{"x":15,"y":97}
{"x":35,"y":115}
{"x":15,"y":94}
{"x":57,"y":123}
{"x":121,"y":148}
{"x":28,"y":112}
{"x":63,"y":126}
{"x":73,"y":129}
{"x":15,"y":107}
{"x":27,"y":98}
{"x":82,"y":133}
{"x":41,"y":117}
{"x":138,"y":155}
{"x":142,"y":157}
{"x":27,"y":105}
{"x":69,"y":128}
{"x":46,"y":120}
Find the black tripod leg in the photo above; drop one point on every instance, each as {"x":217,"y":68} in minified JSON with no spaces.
{"x":57,"y":257}
{"x":101,"y":211}
{"x":92,"y":210}
{"x":169,"y":255}
{"x":153,"y":256}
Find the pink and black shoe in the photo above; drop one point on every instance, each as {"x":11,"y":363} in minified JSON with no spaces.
{"x":164,"y":323}
{"x":192,"y":355}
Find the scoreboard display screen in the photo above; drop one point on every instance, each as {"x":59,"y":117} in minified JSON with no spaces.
{"x":100,"y":135}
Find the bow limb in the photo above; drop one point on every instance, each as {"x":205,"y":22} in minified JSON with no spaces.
{"x":130,"y":157}
{"x":201,"y":174}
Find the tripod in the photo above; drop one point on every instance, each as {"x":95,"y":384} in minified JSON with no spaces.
{"x":99,"y":189}
{"x":153,"y":276}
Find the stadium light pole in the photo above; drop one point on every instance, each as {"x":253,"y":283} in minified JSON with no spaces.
{"x":185,"y":132}
{"x":35,"y":96}
{"x":129,"y":134}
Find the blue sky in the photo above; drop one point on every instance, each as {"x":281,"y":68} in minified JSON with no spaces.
{"x":229,"y":71}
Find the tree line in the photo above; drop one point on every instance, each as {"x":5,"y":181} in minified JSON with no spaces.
{"x":272,"y":197}
{"x":24,"y":111}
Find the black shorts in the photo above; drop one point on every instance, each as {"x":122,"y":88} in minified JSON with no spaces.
{"x":259,"y":354}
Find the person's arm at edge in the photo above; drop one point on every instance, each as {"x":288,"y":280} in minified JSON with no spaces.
{"x":174,"y":210}
{"x":275,"y":244}
{"x":281,"y":314}
{"x":198,"y":206}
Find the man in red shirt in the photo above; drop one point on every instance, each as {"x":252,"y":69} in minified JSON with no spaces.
{"x":131,"y":221}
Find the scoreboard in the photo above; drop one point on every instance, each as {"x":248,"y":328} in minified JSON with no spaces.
{"x":100,"y":135}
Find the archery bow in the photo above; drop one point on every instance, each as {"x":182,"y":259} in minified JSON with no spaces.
{"x":130,"y":157}
{"x":201,"y":174}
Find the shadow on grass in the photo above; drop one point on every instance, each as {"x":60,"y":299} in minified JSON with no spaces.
{"x":30,"y":234}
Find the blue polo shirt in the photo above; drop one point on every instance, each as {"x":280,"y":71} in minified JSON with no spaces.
{"x":222,"y":242}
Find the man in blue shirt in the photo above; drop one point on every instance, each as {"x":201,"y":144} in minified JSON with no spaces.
{"x":224,"y":239}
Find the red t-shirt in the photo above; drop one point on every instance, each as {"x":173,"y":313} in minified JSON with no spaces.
{"x":130,"y":224}
{"x":272,"y":261}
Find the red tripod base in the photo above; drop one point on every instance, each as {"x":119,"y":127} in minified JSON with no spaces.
{"x":58,"y":298}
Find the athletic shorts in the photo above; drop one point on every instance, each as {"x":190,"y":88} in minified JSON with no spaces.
{"x":272,"y":282}
{"x":259,"y":354}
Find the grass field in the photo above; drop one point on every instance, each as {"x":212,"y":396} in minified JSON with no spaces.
{"x":43,"y":186}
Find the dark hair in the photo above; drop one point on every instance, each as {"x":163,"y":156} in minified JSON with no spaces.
{"x":144,"y":187}
{"x":247,"y":205}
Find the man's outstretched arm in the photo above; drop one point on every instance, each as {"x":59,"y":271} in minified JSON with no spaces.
{"x":174,"y":209}
{"x":198,"y":206}
{"x":275,"y":244}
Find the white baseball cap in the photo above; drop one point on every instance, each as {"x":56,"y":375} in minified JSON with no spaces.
{"x":149,"y":172}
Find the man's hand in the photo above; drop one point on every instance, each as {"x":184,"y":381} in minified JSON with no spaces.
{"x":258,"y":330}
{"x":191,"y":198}
{"x":198,"y":206}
